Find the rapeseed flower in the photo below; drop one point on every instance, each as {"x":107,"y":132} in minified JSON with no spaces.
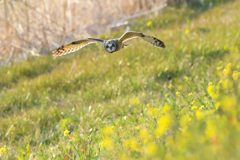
{"x":108,"y":130}
{"x":184,"y":121}
{"x":193,"y":102}
{"x":210,"y":89}
{"x":166,"y":108}
{"x":151,"y":149}
{"x":2,"y":150}
{"x":194,"y":107}
{"x":149,"y":23}
{"x":107,"y":143}
{"x":187,"y":31}
{"x":229,"y":103}
{"x":170,"y":86}
{"x":162,"y":125}
{"x":225,"y":48}
{"x":228,"y":70}
{"x":217,"y":105}
{"x":178,"y":93}
{"x":199,"y":114}
{"x":210,"y":129}
{"x":134,"y":100}
{"x":131,"y":144}
{"x":66,"y":133}
{"x":235,"y":75}
{"x":144,"y":135}
{"x":186,"y":78}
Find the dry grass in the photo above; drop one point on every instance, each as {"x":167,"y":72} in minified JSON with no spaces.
{"x":27,"y":27}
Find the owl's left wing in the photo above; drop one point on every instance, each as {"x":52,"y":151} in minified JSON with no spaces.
{"x":151,"y":40}
{"x":74,"y":46}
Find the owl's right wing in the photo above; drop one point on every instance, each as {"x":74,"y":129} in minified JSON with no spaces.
{"x":151,"y":40}
{"x":74,"y":46}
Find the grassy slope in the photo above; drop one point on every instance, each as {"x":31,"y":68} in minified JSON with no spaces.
{"x":127,"y":91}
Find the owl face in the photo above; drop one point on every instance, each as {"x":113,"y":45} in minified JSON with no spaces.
{"x":111,"y":46}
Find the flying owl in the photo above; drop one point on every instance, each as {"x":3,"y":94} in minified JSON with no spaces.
{"x":110,"y":46}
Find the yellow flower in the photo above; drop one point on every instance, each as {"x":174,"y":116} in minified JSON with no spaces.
{"x":211,"y":129}
{"x":194,"y":107}
{"x":108,"y":130}
{"x":190,"y":94}
{"x":199,"y":114}
{"x":144,"y":134}
{"x":229,"y":104}
{"x":149,"y":23}
{"x":166,"y":108}
{"x":98,"y":119}
{"x":107,"y":143}
{"x":186,"y":78}
{"x":210,"y":89}
{"x":235,"y":75}
{"x":66,"y":132}
{"x":163,"y":124}
{"x":184,"y":120}
{"x":2,"y":150}
{"x":193,"y":102}
{"x":229,"y":66}
{"x":238,"y":67}
{"x":178,"y":93}
{"x":227,"y":71}
{"x":160,"y":130}
{"x":131,"y":144}
{"x":166,"y":95}
{"x":116,"y":122}
{"x":218,"y":68}
{"x":151,"y":148}
{"x":187,"y":31}
{"x":225,"y":48}
{"x":152,"y":112}
{"x":134,"y":100}
{"x":128,"y":63}
{"x":164,"y":120}
{"x":170,"y":86}
{"x":217,"y":105}
{"x":226,"y":84}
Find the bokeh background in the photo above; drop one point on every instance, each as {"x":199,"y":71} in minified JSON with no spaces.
{"x":142,"y":102}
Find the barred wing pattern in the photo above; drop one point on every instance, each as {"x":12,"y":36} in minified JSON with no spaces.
{"x":151,"y":40}
{"x":74,"y":46}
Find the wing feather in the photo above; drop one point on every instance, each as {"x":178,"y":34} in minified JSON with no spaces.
{"x":74,"y":46}
{"x":151,"y":40}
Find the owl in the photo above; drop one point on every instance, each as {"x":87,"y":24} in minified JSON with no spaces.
{"x":110,"y":46}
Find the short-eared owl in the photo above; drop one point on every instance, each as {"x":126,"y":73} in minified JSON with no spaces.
{"x":110,"y":46}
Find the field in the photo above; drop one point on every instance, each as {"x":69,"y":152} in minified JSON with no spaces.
{"x":182,"y":102}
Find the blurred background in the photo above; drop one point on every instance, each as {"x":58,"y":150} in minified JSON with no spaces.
{"x":30,"y":27}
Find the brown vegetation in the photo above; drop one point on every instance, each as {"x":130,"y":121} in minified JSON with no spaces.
{"x":27,"y":27}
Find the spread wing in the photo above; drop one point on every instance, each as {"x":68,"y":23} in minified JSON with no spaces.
{"x":152,"y":40}
{"x":73,"y":46}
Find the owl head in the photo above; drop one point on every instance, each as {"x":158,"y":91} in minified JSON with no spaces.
{"x":111,"y":46}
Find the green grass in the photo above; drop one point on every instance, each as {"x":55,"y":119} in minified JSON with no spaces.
{"x":121,"y":105}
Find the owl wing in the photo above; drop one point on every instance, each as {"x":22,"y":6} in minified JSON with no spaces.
{"x":76,"y":45}
{"x":151,"y":40}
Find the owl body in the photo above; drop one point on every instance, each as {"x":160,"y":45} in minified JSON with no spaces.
{"x":110,"y":46}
